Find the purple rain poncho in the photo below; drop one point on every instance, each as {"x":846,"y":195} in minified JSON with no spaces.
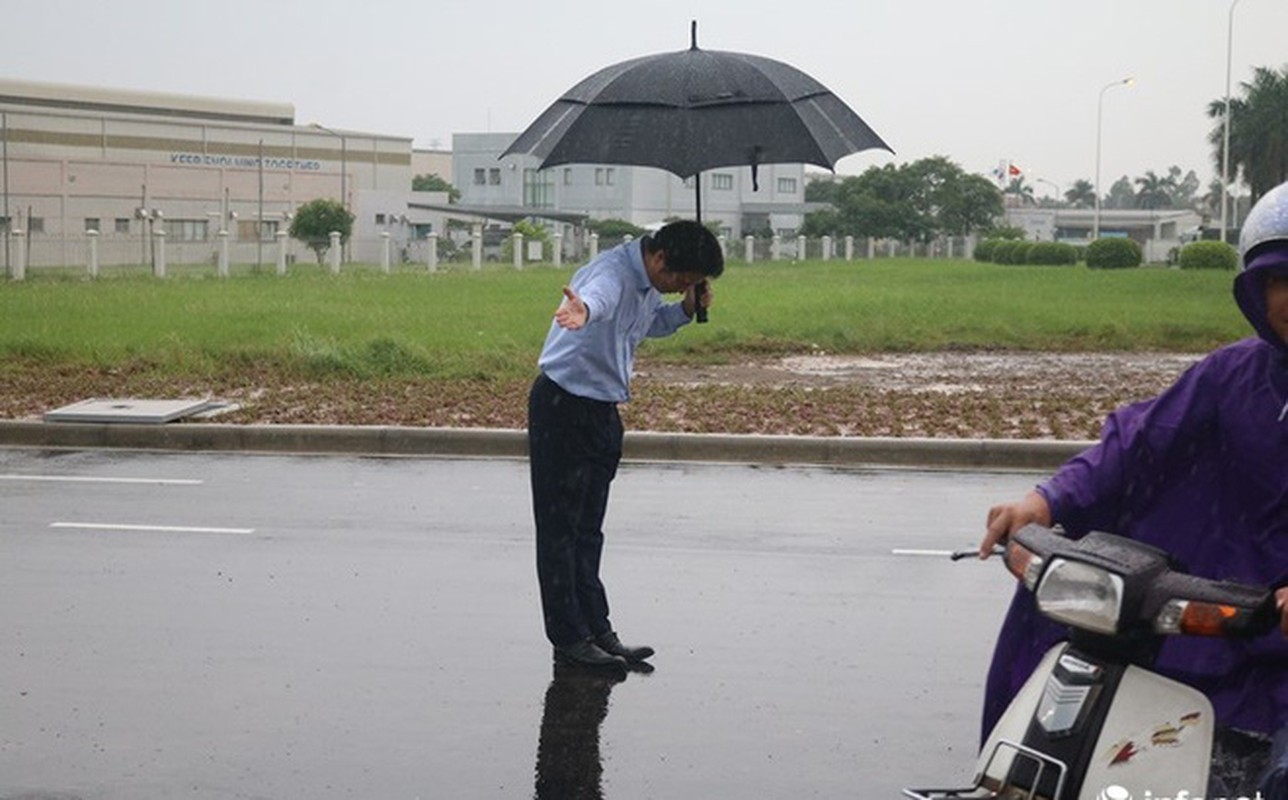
{"x":1200,"y":471}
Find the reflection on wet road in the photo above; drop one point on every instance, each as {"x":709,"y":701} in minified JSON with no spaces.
{"x":373,"y":630}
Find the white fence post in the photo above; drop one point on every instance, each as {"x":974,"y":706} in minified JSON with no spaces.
{"x":384,"y":252}
{"x":594,"y":245}
{"x":872,"y":248}
{"x":159,"y":268}
{"x":558,"y":248}
{"x":749,"y":249}
{"x":333,"y":252}
{"x":431,"y":258}
{"x":776,"y":248}
{"x":849,"y":248}
{"x":93,"y":252}
{"x":18,"y":269}
{"x":476,"y":244}
{"x":517,"y":241}
{"x":281,"y":252}
{"x":827,"y":248}
{"x":800,"y":248}
{"x":724,"y":245}
{"x":222,"y":268}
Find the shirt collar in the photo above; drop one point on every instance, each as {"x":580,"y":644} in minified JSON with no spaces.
{"x":635,"y":255}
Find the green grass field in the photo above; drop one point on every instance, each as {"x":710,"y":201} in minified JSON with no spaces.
{"x":492,"y":323}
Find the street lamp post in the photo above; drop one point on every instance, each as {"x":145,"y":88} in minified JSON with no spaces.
{"x":344,"y":162}
{"x":4,"y":210}
{"x":1100,"y":112}
{"x":1058,"y":192}
{"x":1225,"y":144}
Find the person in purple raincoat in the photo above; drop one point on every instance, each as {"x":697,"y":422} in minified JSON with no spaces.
{"x":1200,"y":471}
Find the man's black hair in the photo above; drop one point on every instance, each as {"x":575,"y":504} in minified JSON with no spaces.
{"x":689,"y":247}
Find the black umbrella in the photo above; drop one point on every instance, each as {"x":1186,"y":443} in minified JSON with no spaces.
{"x":694,"y":110}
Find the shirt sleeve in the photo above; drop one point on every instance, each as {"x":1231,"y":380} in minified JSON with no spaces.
{"x":668,"y":319}
{"x":602,"y":293}
{"x":1141,"y":449}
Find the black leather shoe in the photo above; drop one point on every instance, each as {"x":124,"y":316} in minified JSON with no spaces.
{"x":609,"y":643}
{"x":587,"y":654}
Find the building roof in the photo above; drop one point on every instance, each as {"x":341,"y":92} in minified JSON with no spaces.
{"x":125,"y":101}
{"x":503,"y":213}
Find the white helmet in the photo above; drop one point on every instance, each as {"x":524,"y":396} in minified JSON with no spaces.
{"x":1267,"y":222}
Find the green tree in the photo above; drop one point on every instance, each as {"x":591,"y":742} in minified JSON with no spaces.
{"x":1022,"y":191}
{"x":1183,"y":187}
{"x":433,"y":183}
{"x":1082,"y":194}
{"x":614,"y":228}
{"x":1121,"y":195}
{"x":315,"y":220}
{"x":821,"y":189}
{"x":1258,"y":133}
{"x":1155,"y":190}
{"x":916,"y":201}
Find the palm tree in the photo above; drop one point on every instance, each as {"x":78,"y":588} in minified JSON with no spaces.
{"x":1022,"y":191}
{"x":1155,"y":190}
{"x":1258,"y":135}
{"x":1082,"y":194}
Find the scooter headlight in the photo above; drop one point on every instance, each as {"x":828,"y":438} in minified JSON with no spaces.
{"x":1081,"y":595}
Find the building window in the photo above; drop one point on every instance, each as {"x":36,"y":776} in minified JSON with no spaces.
{"x":689,"y":182}
{"x":599,"y":176}
{"x":380,"y":219}
{"x":567,"y":176}
{"x":35,"y":225}
{"x":610,"y":176}
{"x":538,"y":189}
{"x":480,"y":177}
{"x":494,"y":176}
{"x":122,"y":224}
{"x":4,"y":224}
{"x":246,"y":230}
{"x":93,"y":224}
{"x":787,"y":186}
{"x":186,"y":230}
{"x":721,"y":180}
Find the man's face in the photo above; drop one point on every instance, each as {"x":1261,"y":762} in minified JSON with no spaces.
{"x":664,"y":280}
{"x":1277,"y":303}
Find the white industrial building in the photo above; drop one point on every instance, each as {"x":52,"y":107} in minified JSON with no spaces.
{"x":127,"y":164}
{"x":643,"y":196}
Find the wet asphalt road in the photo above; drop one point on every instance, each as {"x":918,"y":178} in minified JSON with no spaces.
{"x":231,"y":626}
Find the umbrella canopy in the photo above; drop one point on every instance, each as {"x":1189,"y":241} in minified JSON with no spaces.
{"x":694,"y":110}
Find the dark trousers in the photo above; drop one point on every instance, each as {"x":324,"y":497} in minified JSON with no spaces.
{"x":574,"y":446}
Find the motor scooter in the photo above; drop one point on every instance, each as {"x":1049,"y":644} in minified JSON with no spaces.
{"x":1093,"y":722}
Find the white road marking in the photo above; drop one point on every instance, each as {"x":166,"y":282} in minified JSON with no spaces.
{"x":93,"y":479}
{"x":107,"y":526}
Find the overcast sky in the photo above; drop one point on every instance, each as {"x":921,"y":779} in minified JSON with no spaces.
{"x":978,"y":81}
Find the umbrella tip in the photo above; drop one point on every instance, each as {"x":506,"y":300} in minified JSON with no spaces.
{"x":693,"y":35}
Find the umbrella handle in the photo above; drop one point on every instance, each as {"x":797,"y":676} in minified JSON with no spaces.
{"x":699,"y":310}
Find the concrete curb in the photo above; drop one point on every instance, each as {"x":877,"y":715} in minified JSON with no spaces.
{"x":380,"y":440}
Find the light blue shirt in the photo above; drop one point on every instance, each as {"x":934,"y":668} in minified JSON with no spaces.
{"x":596,"y":361}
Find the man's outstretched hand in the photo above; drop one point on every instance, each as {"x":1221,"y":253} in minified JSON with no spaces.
{"x":572,"y":313}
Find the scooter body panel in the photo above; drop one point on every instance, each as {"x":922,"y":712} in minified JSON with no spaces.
{"x":1156,"y":736}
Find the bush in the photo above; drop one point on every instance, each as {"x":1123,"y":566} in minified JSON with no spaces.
{"x":1011,"y":251}
{"x":984,"y":250}
{"x":1053,"y":253}
{"x":1208,"y":255}
{"x":1117,"y":253}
